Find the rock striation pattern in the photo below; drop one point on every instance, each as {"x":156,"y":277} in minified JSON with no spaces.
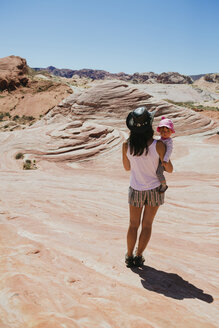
{"x":92,"y":122}
{"x":76,"y":140}
{"x":110,"y":102}
{"x":103,"y":100}
{"x":63,"y":225}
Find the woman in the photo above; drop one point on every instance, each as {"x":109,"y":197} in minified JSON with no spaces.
{"x":141,"y":154}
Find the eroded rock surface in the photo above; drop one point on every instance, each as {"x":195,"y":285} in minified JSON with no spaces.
{"x":111,"y":101}
{"x":93,"y":122}
{"x":13,"y":73}
{"x":63,"y":226}
{"x":212,"y":78}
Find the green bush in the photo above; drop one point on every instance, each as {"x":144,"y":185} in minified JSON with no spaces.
{"x":28,"y":118}
{"x":28,"y":165}
{"x":19,"y":156}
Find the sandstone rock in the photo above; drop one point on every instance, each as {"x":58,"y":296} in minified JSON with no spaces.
{"x":174,"y":78}
{"x":13,"y":70}
{"x":212,"y":78}
{"x":111,"y":101}
{"x":63,"y":234}
{"x":207,"y":85}
{"x":89,"y":123}
{"x":22,"y":94}
{"x":63,"y":226}
{"x":144,"y":78}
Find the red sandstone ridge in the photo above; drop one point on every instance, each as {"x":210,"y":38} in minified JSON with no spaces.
{"x":23,"y":93}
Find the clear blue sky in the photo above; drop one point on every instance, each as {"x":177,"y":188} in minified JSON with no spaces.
{"x":113,"y":35}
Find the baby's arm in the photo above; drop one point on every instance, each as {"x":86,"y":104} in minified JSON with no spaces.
{"x":169,"y":148}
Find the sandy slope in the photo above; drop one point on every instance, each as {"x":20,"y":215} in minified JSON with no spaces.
{"x":63,"y":240}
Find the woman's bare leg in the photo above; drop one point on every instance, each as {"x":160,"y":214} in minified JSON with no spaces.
{"x":147,"y":221}
{"x":135,"y":219}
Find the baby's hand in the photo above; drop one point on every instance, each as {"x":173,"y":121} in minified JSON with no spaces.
{"x":164,"y":164}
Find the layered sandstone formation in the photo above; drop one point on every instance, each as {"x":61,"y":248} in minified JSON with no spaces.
{"x":115,"y":99}
{"x":89,"y":123}
{"x":63,"y":225}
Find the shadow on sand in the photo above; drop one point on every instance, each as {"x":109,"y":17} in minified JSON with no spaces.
{"x":169,"y":284}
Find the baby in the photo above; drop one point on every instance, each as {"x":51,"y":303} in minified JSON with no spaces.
{"x":165,"y":128}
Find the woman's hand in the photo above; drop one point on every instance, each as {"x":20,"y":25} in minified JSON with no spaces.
{"x":168,"y":167}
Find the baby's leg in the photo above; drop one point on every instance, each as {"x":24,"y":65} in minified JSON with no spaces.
{"x":160,"y":169}
{"x":160,"y":175}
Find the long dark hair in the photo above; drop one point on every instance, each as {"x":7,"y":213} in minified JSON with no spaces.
{"x":138,"y":142}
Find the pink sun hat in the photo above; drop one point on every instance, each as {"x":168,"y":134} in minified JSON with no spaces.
{"x":166,"y":122}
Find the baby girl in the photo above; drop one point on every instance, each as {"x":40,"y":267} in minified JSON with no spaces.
{"x":165,"y":128}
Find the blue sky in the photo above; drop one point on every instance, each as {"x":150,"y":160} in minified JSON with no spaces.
{"x":113,"y":35}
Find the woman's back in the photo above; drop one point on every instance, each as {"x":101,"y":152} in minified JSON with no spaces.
{"x":143,"y":169}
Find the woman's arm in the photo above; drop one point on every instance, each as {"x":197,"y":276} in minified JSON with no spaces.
{"x":125,"y":159}
{"x":161,"y":149}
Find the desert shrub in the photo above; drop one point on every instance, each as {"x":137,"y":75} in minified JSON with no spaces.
{"x":28,"y":118}
{"x":16,"y":117}
{"x":192,"y":105}
{"x":28,"y":165}
{"x":44,"y":87}
{"x":2,"y":115}
{"x":19,"y":156}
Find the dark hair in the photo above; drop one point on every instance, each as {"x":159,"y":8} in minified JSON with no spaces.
{"x":138,"y":142}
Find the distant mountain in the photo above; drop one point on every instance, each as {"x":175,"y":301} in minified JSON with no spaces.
{"x":149,"y":77}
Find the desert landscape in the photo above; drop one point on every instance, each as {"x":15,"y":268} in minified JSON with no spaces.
{"x":64,"y":211}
